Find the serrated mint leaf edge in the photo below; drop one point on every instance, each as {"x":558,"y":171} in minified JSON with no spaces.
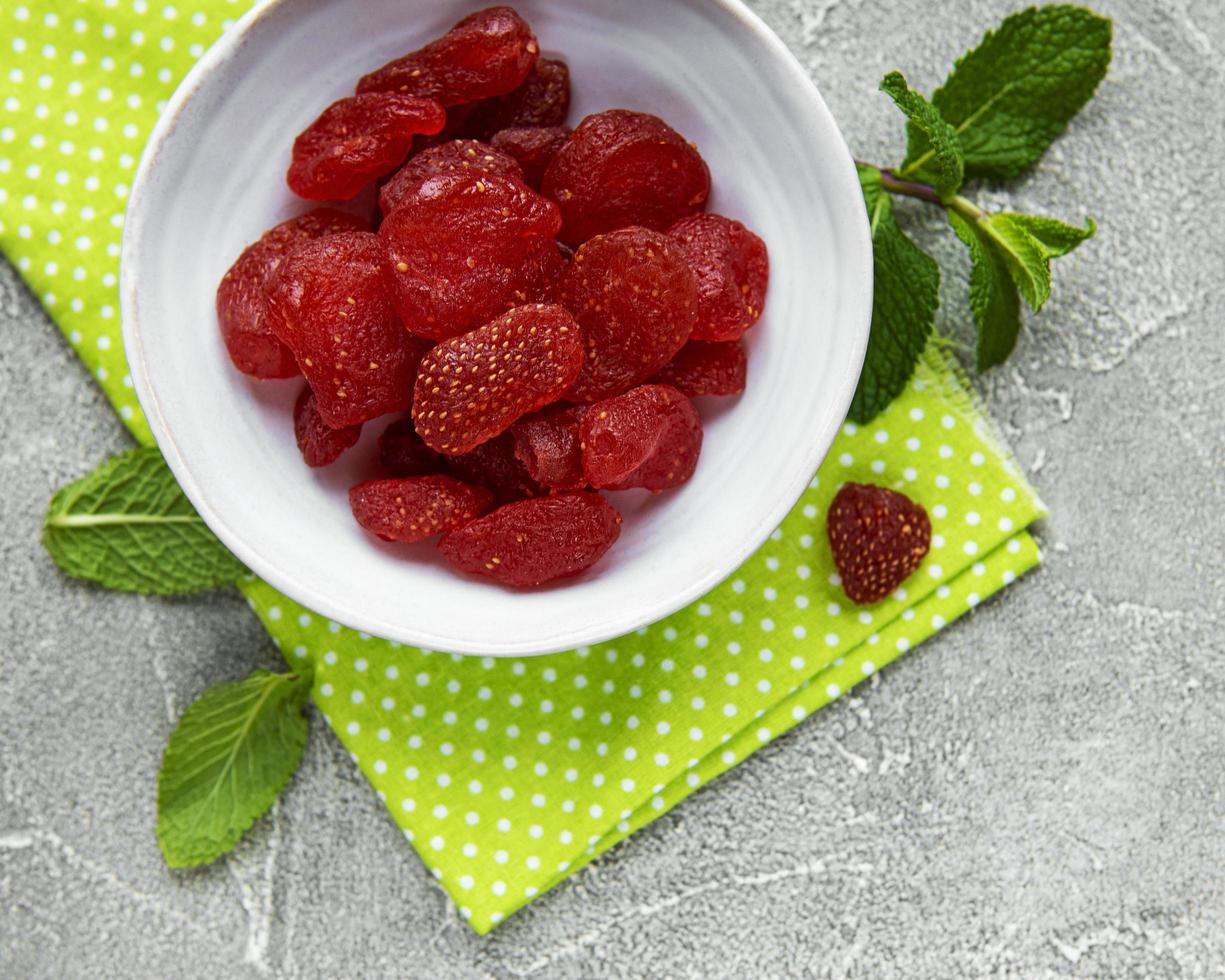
{"x":180,"y":849}
{"x":880,"y":383}
{"x":1055,"y":237}
{"x":940,"y":162}
{"x":1014,"y":162}
{"x":78,"y":542}
{"x":1027,"y":257}
{"x":994,"y":299}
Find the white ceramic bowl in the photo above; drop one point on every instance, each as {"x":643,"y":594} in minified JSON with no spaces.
{"x":212,"y":179}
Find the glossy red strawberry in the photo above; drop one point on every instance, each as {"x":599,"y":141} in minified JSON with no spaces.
{"x":534,"y":147}
{"x":732,"y":267}
{"x":548,"y":445}
{"x":488,"y":53}
{"x":650,"y":437}
{"x":330,"y":305}
{"x":320,"y":444}
{"x":242,"y":295}
{"x":706,"y":367}
{"x":635,"y":298}
{"x":356,"y":140}
{"x":878,"y":538}
{"x":417,"y":507}
{"x":542,"y":100}
{"x":463,"y":248}
{"x":535,"y":541}
{"x":495,"y":466}
{"x":402,"y":453}
{"x":453,"y":156}
{"x":622,"y":168}
{"x":474,"y":386}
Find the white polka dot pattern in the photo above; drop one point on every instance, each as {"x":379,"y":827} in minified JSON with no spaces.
{"x":547,"y":762}
{"x":509,"y":775}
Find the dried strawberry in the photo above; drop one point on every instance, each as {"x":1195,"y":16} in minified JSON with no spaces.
{"x":649,"y":437}
{"x":534,"y":147}
{"x":453,"y":128}
{"x":635,"y":299}
{"x":733,"y":271}
{"x":549,"y":446}
{"x":878,"y":538}
{"x":455,"y":156}
{"x":242,"y":297}
{"x":542,"y":100}
{"x":487,"y":53}
{"x":472,"y":387}
{"x":535,"y":541}
{"x":329,"y":304}
{"x":402,"y":453}
{"x":622,"y":168}
{"x":356,"y":140}
{"x":464,"y":248}
{"x":493,"y":465}
{"x":320,"y":443}
{"x":706,"y":367}
{"x":418,"y":507}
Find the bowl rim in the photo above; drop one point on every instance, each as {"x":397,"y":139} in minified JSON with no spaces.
{"x":857,"y":302}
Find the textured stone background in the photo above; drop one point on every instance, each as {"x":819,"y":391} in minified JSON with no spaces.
{"x":1038,"y":792}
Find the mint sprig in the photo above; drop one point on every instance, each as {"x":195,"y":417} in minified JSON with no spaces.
{"x":1002,"y":105}
{"x":227,"y":760}
{"x":128,"y":526}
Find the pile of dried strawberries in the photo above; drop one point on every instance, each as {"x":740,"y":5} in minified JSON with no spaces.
{"x":543,"y":302}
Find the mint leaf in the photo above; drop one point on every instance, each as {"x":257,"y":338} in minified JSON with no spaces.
{"x":993,"y":296}
{"x":906,"y":292}
{"x":1027,"y":244}
{"x":227,"y":760}
{"x":1009,"y":97}
{"x":1052,"y":235}
{"x":939,"y":163}
{"x":128,"y":526}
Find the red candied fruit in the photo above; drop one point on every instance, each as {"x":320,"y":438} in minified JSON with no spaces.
{"x":453,"y":129}
{"x":415,"y":508}
{"x":329,"y":304}
{"x":487,"y":53}
{"x":649,"y":437}
{"x":878,"y":537}
{"x":534,"y":147}
{"x":542,"y":100}
{"x":706,"y":367}
{"x":474,"y":386}
{"x":356,"y":140}
{"x":535,"y":541}
{"x":635,"y":299}
{"x":733,"y":270}
{"x":622,"y":168}
{"x":242,"y":295}
{"x":548,"y":445}
{"x":455,"y":156}
{"x":464,"y":248}
{"x":320,"y":443}
{"x":493,"y":465}
{"x":402,"y":453}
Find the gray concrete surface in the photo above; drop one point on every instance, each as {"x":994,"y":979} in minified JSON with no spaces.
{"x":1039,"y":792}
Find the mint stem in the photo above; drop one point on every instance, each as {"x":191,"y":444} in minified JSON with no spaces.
{"x":891,"y":182}
{"x":910,"y":188}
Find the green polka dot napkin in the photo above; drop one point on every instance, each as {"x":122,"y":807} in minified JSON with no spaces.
{"x":508,"y":775}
